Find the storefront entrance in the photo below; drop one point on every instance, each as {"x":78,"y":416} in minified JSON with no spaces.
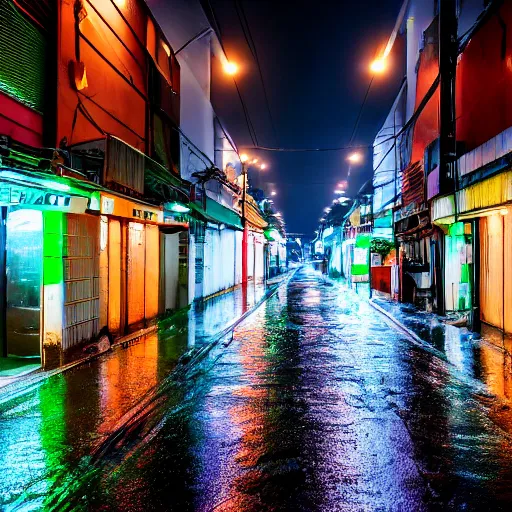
{"x":21,"y":264}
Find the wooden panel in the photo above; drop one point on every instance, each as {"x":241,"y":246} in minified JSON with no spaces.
{"x":152,"y":270}
{"x":114,"y":275}
{"x":81,"y":279}
{"x":491,"y":270}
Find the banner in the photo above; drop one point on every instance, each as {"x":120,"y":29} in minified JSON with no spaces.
{"x":360,"y":263}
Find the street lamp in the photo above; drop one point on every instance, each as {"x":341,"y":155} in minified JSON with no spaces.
{"x":355,"y":158}
{"x":263,"y":167}
{"x":378,"y":66}
{"x":243,"y":158}
{"x":230,"y":68}
{"x":273,"y":193}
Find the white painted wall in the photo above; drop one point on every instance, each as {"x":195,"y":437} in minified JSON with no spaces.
{"x":171,"y":268}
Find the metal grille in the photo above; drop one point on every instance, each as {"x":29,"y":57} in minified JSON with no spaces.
{"x":81,"y":279}
{"x":22,"y":57}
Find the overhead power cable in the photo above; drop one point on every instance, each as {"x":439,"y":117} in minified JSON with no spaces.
{"x":358,"y":119}
{"x":246,"y":29}
{"x":320,"y":150}
{"x":250,"y":127}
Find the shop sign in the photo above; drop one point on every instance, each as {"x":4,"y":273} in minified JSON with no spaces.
{"x":319,"y":247}
{"x":129,"y":209}
{"x":43,"y":200}
{"x":107,"y":205}
{"x":145,"y":215}
{"x":407,"y":211}
{"x":361,"y":258}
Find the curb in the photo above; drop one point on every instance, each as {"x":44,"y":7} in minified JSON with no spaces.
{"x":408,"y":333}
{"x":26,"y":385}
{"x":413,"y":338}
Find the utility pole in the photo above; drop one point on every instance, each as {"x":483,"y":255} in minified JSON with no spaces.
{"x":244,"y":225}
{"x":448,"y":52}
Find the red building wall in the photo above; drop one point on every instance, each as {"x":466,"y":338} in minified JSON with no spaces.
{"x":115,"y":98}
{"x":20,"y":122}
{"x":484,"y":80}
{"x":426,"y":126}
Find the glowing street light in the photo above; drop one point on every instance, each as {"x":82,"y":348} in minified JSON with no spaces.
{"x":230,"y":68}
{"x":263,"y":167}
{"x":254,"y":161}
{"x":355,"y":158}
{"x":273,"y":193}
{"x":378,"y":66}
{"x":243,"y":158}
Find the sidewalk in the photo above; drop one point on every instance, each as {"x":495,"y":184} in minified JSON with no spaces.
{"x":486,"y":357}
{"x":194,"y":326}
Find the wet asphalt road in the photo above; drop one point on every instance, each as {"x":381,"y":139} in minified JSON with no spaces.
{"x":315,"y":403}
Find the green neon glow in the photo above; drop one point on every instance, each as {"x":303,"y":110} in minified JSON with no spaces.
{"x":362,"y":247}
{"x":456,"y":247}
{"x":22,"y":57}
{"x":177,"y":207}
{"x":62,"y":187}
{"x":53,"y":271}
{"x":456,"y":229}
{"x":52,"y":433}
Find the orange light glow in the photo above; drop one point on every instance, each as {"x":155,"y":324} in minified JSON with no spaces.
{"x":355,"y":158}
{"x":230,"y":68}
{"x":244,"y":158}
{"x":120,"y":3}
{"x":378,"y":66}
{"x":166,"y":48}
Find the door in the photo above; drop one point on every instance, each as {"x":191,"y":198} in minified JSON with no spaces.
{"x":491,"y":270}
{"x":152,"y":270}
{"x":136,"y":274}
{"x":24,"y":259}
{"x":115,"y":324}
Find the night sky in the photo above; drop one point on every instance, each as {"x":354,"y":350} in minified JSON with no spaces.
{"x":314,"y":58}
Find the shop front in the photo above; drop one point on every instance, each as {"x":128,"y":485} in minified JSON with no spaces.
{"x":484,"y":208}
{"x":216,"y":248}
{"x":129,"y":263}
{"x":49,"y":268}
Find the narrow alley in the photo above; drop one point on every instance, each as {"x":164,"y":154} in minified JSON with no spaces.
{"x":314,"y":403}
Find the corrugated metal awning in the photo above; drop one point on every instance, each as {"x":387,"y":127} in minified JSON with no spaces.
{"x":215,"y":212}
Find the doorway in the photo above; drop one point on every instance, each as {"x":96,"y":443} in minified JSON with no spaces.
{"x":22,"y":273}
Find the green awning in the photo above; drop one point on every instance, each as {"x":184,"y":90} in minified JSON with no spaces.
{"x":219,"y":214}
